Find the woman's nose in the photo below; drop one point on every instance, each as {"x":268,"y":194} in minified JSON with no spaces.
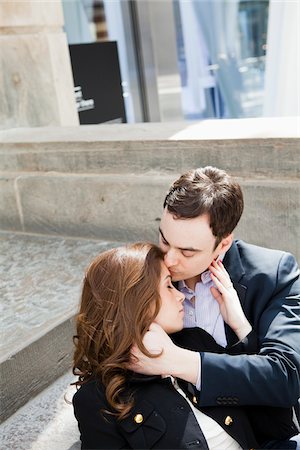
{"x":181,"y":296}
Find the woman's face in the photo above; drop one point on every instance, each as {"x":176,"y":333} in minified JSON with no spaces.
{"x":170,"y":316}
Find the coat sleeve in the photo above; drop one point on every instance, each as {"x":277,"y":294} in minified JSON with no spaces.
{"x":270,"y":377}
{"x":97,"y":430}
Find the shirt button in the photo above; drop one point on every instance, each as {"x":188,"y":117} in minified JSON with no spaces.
{"x":191,"y":313}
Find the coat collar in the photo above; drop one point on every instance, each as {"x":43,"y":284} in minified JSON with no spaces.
{"x":233,"y":263}
{"x":139,"y":378}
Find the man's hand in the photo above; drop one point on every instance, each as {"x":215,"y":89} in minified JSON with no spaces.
{"x":228,"y":300}
{"x":174,"y":360}
{"x":156,"y":341}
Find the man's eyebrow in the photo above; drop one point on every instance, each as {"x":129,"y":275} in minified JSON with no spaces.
{"x":189,"y":249}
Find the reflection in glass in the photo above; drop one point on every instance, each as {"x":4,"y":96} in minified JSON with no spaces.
{"x":221,"y":47}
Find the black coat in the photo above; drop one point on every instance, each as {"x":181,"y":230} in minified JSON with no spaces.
{"x":168,"y":421}
{"x":161,"y":419}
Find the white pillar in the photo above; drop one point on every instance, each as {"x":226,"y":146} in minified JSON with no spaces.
{"x":282,"y":90}
{"x":36,"y":83}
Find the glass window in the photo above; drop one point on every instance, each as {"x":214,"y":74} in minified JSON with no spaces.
{"x":221,"y":47}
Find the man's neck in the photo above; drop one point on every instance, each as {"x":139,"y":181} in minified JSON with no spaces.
{"x":191,"y":282}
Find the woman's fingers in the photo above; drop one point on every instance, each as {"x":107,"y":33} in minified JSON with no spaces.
{"x":217,"y":295}
{"x":222,"y":285}
{"x":220,"y":273}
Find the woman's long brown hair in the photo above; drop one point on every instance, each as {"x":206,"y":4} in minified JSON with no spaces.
{"x":120,"y":299}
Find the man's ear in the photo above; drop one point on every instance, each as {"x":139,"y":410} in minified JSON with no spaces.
{"x":225,"y":243}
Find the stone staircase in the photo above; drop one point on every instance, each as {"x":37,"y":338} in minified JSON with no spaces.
{"x":69,"y":193}
{"x":46,"y":422}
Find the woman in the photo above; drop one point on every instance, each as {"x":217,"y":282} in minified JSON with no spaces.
{"x":125,"y":290}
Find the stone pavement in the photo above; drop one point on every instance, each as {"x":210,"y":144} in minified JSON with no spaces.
{"x":45,"y":423}
{"x":41,"y":278}
{"x":40,"y":288}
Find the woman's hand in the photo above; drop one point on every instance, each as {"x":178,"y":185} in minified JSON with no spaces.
{"x":228,"y":300}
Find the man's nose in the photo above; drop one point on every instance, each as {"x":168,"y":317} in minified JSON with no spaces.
{"x":170,"y":258}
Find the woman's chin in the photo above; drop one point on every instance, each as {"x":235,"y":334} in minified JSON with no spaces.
{"x":176,"y":329}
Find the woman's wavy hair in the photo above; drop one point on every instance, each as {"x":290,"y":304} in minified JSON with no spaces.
{"x":120,"y":299}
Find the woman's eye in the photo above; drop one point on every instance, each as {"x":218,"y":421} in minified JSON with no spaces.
{"x":171,"y":287}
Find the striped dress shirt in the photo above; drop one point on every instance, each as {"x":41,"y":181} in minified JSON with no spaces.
{"x":204,"y":311}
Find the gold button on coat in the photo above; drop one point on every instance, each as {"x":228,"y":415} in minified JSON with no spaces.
{"x":195,"y":400}
{"x":138,"y":418}
{"x":228,"y":421}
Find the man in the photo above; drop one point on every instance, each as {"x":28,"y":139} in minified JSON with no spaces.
{"x":201,"y":210}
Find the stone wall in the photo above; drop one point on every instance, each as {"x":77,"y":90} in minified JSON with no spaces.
{"x":108,"y":182}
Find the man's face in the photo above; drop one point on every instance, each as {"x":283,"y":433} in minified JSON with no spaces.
{"x":189,"y":246}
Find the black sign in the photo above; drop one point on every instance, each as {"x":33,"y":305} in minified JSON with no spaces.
{"x":97,"y":81}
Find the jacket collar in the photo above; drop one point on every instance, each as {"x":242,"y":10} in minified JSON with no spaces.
{"x":233,"y":263}
{"x":134,"y":377}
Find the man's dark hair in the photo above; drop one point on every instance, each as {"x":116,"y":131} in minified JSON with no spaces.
{"x":210,"y":191}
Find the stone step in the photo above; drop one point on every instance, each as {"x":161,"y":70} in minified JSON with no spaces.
{"x":108,"y":182}
{"x":245,"y":147}
{"x":46,"y":422}
{"x":127,"y":207}
{"x":41,"y":281}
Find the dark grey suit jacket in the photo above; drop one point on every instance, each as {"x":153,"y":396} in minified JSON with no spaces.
{"x":268,"y":285}
{"x":268,"y":423}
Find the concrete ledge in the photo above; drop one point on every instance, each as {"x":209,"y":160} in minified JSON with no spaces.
{"x":259,"y":128}
{"x":260,"y":147}
{"x":109,"y":181}
{"x":32,"y":369}
{"x":113,"y":207}
{"x":272,"y":214}
{"x":256,"y":157}
{"x":46,"y":422}
{"x":127,"y":207}
{"x":10,"y":217}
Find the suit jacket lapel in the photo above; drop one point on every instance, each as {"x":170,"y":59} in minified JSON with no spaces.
{"x":233,"y":264}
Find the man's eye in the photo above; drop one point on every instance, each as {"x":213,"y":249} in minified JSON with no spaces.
{"x":188,"y":254}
